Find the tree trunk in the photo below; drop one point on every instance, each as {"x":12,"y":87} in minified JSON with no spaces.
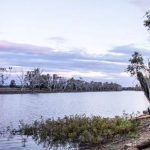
{"x":144,"y":84}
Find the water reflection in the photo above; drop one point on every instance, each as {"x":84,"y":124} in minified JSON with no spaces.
{"x":30,"y":107}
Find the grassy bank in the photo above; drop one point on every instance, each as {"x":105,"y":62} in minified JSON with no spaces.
{"x":80,"y":130}
{"x":8,"y":90}
{"x":18,"y":90}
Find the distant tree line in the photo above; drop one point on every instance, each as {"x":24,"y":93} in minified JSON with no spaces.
{"x":136,"y":88}
{"x":37,"y":80}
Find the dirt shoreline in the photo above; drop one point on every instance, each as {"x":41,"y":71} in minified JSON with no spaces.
{"x":142,"y":142}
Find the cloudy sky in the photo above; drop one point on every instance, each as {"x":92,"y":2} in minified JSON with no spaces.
{"x":92,"y":39}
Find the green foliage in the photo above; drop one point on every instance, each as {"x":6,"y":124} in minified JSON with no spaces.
{"x":12,"y":83}
{"x":79,"y":130}
{"x":147,"y":21}
{"x":136,"y":64}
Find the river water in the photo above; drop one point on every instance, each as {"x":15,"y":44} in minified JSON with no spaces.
{"x":29,"y":107}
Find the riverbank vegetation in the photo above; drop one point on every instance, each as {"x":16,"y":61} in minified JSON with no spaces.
{"x":39,"y":81}
{"x":80,"y":131}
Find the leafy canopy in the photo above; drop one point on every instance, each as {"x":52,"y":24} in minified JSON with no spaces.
{"x":136,"y":64}
{"x":147,"y":21}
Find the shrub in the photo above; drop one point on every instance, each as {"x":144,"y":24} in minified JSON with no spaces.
{"x":80,"y":130}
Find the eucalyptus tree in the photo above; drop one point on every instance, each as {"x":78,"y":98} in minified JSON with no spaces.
{"x":4,"y":74}
{"x":22,"y":79}
{"x":38,"y":79}
{"x":147,"y":21}
{"x":46,"y":80}
{"x":62,"y":83}
{"x":138,"y":69}
{"x":33,"y":78}
{"x":12,"y":83}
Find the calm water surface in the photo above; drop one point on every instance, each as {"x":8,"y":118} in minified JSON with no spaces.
{"x":29,"y":107}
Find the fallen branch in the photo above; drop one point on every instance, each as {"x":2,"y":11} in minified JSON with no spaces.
{"x":143,"y":117}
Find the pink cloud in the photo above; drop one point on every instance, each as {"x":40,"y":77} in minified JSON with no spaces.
{"x":23,"y":48}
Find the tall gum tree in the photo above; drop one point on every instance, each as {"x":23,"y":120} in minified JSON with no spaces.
{"x":138,"y":68}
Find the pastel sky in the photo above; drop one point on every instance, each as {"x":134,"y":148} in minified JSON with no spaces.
{"x":92,"y":39}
